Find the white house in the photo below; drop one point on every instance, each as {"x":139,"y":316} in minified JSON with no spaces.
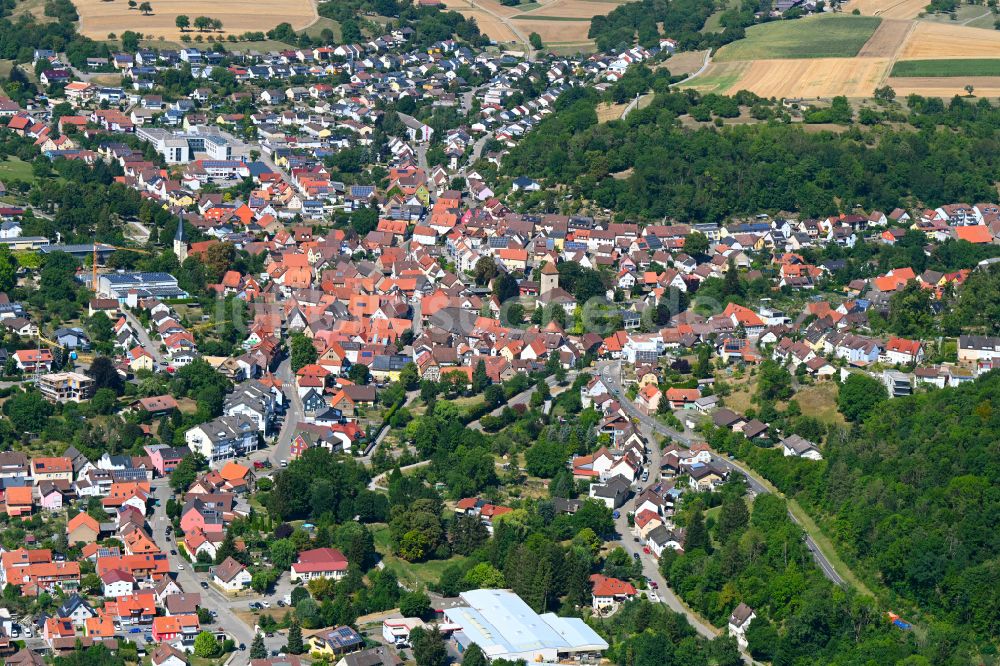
{"x":739,"y":622}
{"x":231,"y":576}
{"x":800,"y":447}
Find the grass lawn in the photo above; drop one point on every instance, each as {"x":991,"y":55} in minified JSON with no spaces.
{"x":813,"y":37}
{"x":961,"y":67}
{"x":14,"y":169}
{"x":410,"y":573}
{"x":820,"y":402}
{"x":323,"y":23}
{"x":718,"y":78}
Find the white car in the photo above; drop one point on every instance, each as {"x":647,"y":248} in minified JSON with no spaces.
{"x":654,"y":597}
{"x":180,"y":567}
{"x":265,"y":604}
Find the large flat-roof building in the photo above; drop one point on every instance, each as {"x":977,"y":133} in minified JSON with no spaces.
{"x":505,"y":627}
{"x":181,"y":147}
{"x":159,"y":285}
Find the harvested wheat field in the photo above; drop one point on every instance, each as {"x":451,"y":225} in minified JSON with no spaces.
{"x":578,"y":9}
{"x":939,"y":40}
{"x":573,"y":31}
{"x":99,"y":18}
{"x":888,"y":37}
{"x":464,"y":6}
{"x":491,"y":26}
{"x":945,"y":86}
{"x":893,"y":9}
{"x":807,"y":78}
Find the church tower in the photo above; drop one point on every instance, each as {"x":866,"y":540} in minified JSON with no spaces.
{"x":180,"y":241}
{"x":550,"y":278}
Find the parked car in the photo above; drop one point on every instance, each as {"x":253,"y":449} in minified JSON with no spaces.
{"x":645,"y":549}
{"x":616,"y":514}
{"x":284,"y":463}
{"x":180,"y":567}
{"x":635,"y":556}
{"x":204,"y":585}
{"x":258,"y":464}
{"x":243,"y":647}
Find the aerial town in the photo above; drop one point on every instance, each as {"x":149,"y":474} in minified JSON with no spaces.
{"x":306,"y":360}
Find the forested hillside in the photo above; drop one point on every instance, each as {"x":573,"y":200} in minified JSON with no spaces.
{"x":711,"y":174}
{"x":913,"y":494}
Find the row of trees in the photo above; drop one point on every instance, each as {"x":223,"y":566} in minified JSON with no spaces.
{"x":201,"y":23}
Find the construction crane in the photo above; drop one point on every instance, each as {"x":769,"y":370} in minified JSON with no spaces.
{"x":93,"y":277}
{"x":74,"y":355}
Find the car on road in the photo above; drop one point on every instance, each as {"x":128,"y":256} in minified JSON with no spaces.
{"x":204,"y":585}
{"x":283,"y":463}
{"x":180,"y":567}
{"x":173,"y":552}
{"x":636,"y":539}
{"x":243,"y":647}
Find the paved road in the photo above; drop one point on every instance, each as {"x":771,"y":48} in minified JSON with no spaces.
{"x":652,"y":572}
{"x":212,"y":599}
{"x":144,"y":340}
{"x":610,"y":372}
{"x":293,"y":415}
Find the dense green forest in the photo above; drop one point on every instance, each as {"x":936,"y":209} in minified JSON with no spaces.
{"x":911,"y":495}
{"x":647,"y":21}
{"x":710,"y":174}
{"x":758,"y":556}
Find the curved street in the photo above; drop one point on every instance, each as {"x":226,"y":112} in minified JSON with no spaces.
{"x":610,"y":371}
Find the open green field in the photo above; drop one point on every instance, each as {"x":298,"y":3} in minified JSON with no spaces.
{"x":14,"y":169}
{"x":322,"y":24}
{"x":813,"y":37}
{"x":960,"y":67}
{"x":718,"y":78}
{"x":411,"y":574}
